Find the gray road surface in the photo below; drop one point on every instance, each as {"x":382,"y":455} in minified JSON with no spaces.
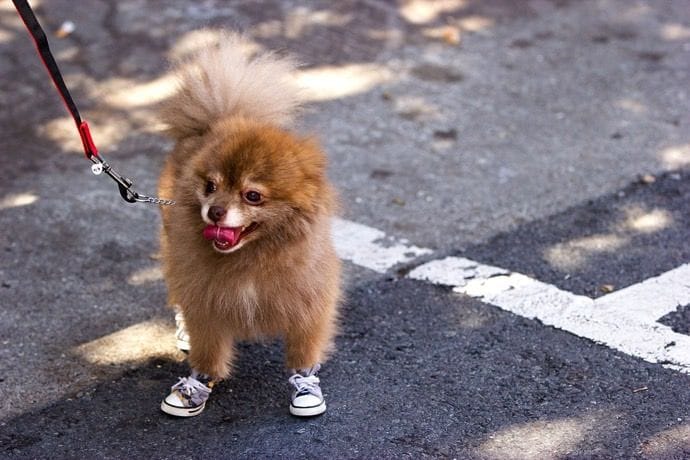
{"x":505,"y":132}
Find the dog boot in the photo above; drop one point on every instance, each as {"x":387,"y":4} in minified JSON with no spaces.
{"x":188,"y":396}
{"x":307,"y":399}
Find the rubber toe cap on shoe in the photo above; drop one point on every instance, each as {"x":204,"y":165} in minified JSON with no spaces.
{"x":307,"y":406}
{"x":174,"y":405}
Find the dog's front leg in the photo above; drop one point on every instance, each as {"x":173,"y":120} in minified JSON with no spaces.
{"x":212,"y":349}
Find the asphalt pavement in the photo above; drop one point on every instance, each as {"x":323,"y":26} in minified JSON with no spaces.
{"x":547,"y":137}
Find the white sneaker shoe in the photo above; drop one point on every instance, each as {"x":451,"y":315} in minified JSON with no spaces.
{"x":307,"y":400}
{"x":188,"y":396}
{"x":181,"y":335}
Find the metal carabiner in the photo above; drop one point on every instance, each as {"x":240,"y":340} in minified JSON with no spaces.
{"x":124,"y":184}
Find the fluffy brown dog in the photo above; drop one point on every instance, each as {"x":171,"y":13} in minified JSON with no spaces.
{"x":247,"y":251}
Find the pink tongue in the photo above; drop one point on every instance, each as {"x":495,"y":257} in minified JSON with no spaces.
{"x":229,"y":235}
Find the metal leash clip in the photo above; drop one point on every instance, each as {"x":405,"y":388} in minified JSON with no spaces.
{"x":124,"y":184}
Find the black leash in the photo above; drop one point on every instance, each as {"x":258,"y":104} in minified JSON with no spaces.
{"x":99,"y":165}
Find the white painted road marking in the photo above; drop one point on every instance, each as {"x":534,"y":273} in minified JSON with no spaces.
{"x":625,"y":320}
{"x":371,"y":248}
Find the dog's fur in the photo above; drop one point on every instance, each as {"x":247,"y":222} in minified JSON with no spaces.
{"x":229,"y":122}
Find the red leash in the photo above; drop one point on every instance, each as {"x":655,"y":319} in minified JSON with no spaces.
{"x":99,"y":165}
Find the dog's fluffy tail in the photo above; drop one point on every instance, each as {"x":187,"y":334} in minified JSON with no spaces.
{"x":223,"y":81}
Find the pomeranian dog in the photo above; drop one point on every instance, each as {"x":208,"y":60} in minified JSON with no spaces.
{"x":247,"y":251}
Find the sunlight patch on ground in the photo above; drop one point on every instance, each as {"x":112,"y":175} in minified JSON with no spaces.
{"x":638,"y":219}
{"x":136,"y":107}
{"x":642,"y":221}
{"x":127,"y":94}
{"x":5,"y":36}
{"x":67,"y":54}
{"x":632,"y":105}
{"x":63,"y":132}
{"x":542,"y":439}
{"x":132,"y":345}
{"x":669,"y":443}
{"x":145,"y":275}
{"x":334,"y":82}
{"x":299,"y":20}
{"x":416,"y":108}
{"x":7,"y":6}
{"x":11,"y":22}
{"x":573,"y":254}
{"x":17,"y":200}
{"x":676,"y":157}
{"x":675,"y":31}
{"x":426,"y":11}
{"x":475,"y":23}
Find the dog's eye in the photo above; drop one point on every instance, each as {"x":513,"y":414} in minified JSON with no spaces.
{"x":210,"y":187}
{"x":252,"y":197}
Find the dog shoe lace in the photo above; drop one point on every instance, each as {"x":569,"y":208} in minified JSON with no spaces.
{"x":307,"y":384}
{"x":193,"y":390}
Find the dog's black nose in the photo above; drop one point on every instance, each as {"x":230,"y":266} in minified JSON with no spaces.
{"x":216,"y":213}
